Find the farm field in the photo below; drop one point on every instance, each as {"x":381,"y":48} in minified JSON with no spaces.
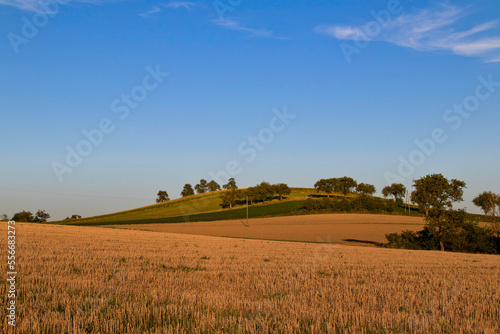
{"x":98,"y":280}
{"x":338,"y":228}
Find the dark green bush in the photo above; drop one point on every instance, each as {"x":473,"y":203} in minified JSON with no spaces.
{"x":359,"y":204}
{"x":451,"y":230}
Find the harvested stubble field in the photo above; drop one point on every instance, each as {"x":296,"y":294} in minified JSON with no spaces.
{"x":95,"y":280}
{"x":338,"y":228}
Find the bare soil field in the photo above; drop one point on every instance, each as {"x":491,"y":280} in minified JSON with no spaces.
{"x":95,"y":280}
{"x":337,"y":228}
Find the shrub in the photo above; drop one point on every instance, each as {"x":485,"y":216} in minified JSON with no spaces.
{"x":451,"y":230}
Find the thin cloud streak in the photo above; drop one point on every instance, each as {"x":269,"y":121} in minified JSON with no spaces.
{"x":428,"y":31}
{"x":181,"y":4}
{"x":152,"y":11}
{"x":35,"y":5}
{"x":236,"y":26}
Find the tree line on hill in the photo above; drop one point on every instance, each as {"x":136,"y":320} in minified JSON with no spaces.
{"x":259,"y":193}
{"x":26,"y":216}
{"x":200,"y":188}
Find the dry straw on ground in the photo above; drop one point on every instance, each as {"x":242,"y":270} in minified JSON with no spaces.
{"x":92,"y":280}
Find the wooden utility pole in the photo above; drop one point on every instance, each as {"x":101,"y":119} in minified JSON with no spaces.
{"x":407,"y":202}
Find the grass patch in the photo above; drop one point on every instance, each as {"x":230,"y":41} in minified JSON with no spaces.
{"x":272,"y":209}
{"x":183,"y":268}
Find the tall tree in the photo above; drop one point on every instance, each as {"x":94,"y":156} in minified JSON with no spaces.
{"x":397,"y":190}
{"x":162,"y":197}
{"x":23,"y":216}
{"x":366,"y":189}
{"x":201,"y":187}
{"x":231,"y":184}
{"x":434,"y":191}
{"x":41,"y":216}
{"x":229,"y":197}
{"x":213,"y":186}
{"x":252,"y":194}
{"x":324,"y":185}
{"x":5,"y":217}
{"x":265,"y":190}
{"x":187,"y":191}
{"x":487,"y":201}
{"x":344,"y":185}
{"x":282,"y":189}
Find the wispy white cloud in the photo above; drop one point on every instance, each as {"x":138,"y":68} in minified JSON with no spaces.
{"x":429,"y":30}
{"x":37,"y":5}
{"x":151,"y":12}
{"x":181,"y":4}
{"x":175,"y":5}
{"x":232,"y":24}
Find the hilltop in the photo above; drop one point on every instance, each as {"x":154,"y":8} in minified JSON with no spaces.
{"x":209,"y":207}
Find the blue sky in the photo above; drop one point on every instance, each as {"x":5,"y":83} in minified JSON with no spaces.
{"x":174,"y":91}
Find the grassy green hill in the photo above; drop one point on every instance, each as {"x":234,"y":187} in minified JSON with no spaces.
{"x":202,"y":207}
{"x":208,"y":207}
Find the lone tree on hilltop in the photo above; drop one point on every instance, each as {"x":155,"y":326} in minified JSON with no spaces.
{"x":344,"y":185}
{"x":487,"y":201}
{"x":213,"y":186}
{"x":162,"y":197}
{"x":397,"y":190}
{"x":187,"y":191}
{"x":231,"y":184}
{"x":366,"y":189}
{"x":282,"y":189}
{"x":201,"y":187}
{"x":434,"y":191}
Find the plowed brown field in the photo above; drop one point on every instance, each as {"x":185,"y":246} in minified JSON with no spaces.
{"x":338,"y":228}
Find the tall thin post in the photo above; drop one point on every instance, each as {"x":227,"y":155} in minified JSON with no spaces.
{"x":408,"y":202}
{"x":247,"y":210}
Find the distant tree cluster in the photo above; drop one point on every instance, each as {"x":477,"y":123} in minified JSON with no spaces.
{"x":26,"y":216}
{"x":397,"y":190}
{"x":344,"y":185}
{"x":259,"y":193}
{"x":200,"y":188}
{"x":73,"y":217}
{"x":355,"y":204}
